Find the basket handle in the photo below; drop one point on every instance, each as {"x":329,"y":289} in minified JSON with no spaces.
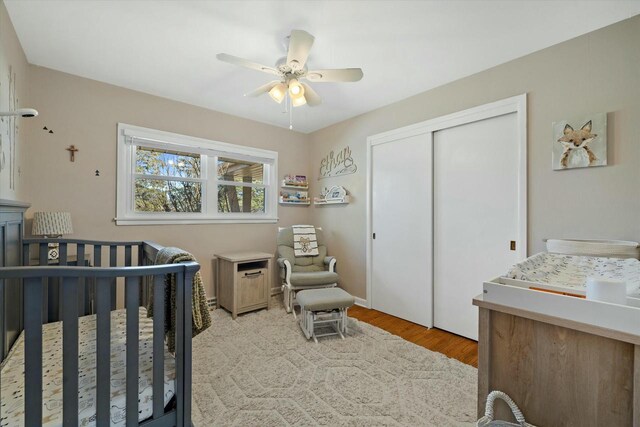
{"x":488,"y":410}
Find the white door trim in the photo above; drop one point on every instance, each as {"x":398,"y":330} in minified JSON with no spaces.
{"x":516,"y":104}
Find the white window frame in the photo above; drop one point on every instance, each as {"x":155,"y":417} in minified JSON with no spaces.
{"x":130,"y":136}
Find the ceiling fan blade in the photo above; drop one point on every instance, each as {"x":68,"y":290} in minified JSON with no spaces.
{"x":343,"y":75}
{"x":311,"y":95}
{"x":263,"y":89}
{"x":300,"y":43}
{"x":247,"y":64}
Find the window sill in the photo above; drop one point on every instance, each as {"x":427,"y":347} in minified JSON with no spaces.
{"x":185,"y":221}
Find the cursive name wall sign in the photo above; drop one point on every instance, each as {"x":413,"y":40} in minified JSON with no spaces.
{"x":337,"y":164}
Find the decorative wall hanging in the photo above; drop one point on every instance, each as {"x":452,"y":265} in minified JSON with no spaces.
{"x":3,"y":157}
{"x":337,"y":164}
{"x":580,"y":142}
{"x":9,"y":128}
{"x":13,"y":129}
{"x":332,"y":196}
{"x":72,"y":151}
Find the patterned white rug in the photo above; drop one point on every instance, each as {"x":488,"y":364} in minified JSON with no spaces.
{"x":259,"y":370}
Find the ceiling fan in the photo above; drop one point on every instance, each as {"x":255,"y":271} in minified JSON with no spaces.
{"x":291,"y":70}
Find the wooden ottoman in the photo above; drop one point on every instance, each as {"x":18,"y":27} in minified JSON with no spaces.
{"x":325,"y":307}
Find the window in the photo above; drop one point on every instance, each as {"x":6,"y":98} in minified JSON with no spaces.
{"x":241,"y":186}
{"x":166,"y":178}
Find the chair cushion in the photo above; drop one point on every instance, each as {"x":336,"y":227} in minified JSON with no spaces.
{"x":306,"y":268}
{"x":324,"y":299}
{"x":314,"y":278}
{"x":285,"y":249}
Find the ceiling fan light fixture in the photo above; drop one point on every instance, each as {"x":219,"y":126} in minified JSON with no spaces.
{"x":278,"y":92}
{"x":298,"y":101}
{"x":295,"y":88}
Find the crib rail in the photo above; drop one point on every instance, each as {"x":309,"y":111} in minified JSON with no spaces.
{"x":78,"y":252}
{"x":35,"y":252}
{"x":71,"y":280}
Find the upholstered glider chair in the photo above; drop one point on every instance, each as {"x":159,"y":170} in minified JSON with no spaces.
{"x":303,"y":272}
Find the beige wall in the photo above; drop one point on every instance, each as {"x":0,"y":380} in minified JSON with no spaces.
{"x":598,"y":72}
{"x":11,"y":56}
{"x":593,"y":73}
{"x":85,"y":113}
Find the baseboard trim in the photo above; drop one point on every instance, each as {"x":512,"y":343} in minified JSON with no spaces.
{"x":276,"y":291}
{"x":362,"y":302}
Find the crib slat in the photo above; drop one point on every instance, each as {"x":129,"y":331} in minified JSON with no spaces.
{"x":97,"y":255}
{"x":83,"y":292}
{"x":44,"y":303}
{"x":43,"y":259}
{"x":188,"y":279}
{"x":97,"y":262}
{"x":62,"y":254}
{"x":55,"y":296}
{"x":132,"y":304}
{"x":80,"y":254}
{"x":33,"y":351}
{"x":70,"y":350}
{"x":113,"y":255}
{"x":113,"y":262}
{"x":103,"y":351}
{"x":179,"y":337}
{"x":26,"y":254}
{"x":43,"y":254}
{"x":158,"y":346}
{"x":146,"y":282}
{"x":127,"y":255}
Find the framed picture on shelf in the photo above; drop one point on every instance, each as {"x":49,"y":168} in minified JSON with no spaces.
{"x":336,"y":193}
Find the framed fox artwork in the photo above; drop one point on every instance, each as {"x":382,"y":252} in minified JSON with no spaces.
{"x":580,"y":142}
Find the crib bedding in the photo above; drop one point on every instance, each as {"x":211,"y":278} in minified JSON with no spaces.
{"x":570,"y":271}
{"x":12,"y":388}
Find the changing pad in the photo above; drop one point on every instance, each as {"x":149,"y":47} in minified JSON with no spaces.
{"x":570,"y":271}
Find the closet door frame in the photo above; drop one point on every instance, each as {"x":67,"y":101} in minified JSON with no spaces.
{"x":516,"y":104}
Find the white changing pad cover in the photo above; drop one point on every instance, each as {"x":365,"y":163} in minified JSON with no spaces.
{"x":12,"y":392}
{"x":570,"y":271}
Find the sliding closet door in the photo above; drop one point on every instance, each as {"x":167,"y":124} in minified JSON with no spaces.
{"x":476,"y":172}
{"x":401,"y":220}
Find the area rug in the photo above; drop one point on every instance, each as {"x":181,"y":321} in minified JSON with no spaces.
{"x":259,"y":370}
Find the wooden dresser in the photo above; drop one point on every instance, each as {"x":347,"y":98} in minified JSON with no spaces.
{"x":558,"y":371}
{"x":243,"y":281}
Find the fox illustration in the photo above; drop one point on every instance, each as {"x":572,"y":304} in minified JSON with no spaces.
{"x":576,"y":146}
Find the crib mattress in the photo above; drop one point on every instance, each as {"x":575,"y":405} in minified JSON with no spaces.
{"x":571,"y":272}
{"x":12,"y":391}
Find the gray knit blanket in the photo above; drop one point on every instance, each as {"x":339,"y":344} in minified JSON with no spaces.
{"x":200,"y":312}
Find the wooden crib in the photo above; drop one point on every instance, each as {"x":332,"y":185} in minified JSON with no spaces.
{"x":79,"y":302}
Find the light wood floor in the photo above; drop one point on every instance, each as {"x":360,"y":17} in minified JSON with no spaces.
{"x":455,"y":346}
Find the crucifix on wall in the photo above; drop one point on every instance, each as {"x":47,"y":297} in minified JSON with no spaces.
{"x":72,"y":150}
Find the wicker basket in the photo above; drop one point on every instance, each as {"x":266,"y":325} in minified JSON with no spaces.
{"x":598,"y":248}
{"x":488,"y":421}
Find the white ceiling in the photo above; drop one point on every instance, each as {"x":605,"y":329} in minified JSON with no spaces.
{"x":168,"y":48}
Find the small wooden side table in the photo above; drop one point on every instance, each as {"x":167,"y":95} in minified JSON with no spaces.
{"x":244,"y":281}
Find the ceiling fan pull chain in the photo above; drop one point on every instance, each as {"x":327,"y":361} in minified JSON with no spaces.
{"x":290,"y":114}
